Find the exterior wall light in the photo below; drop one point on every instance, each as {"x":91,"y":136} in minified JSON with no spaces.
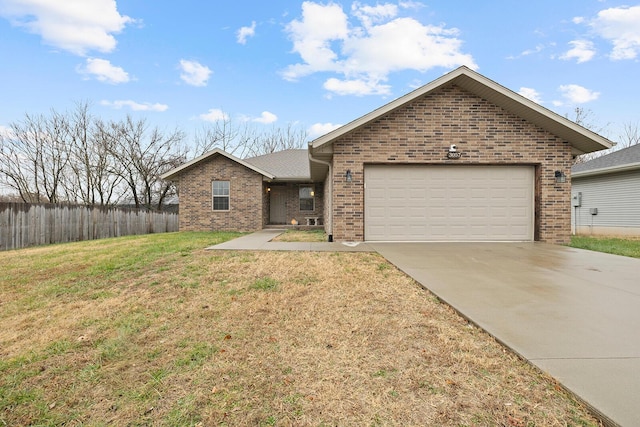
{"x":348,"y":175}
{"x":560,"y":177}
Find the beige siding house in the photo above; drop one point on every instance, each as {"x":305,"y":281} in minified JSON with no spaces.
{"x":459,"y":159}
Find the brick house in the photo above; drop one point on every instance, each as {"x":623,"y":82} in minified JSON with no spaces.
{"x":459,"y":159}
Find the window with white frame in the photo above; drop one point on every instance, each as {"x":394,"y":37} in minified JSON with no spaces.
{"x":220,"y":195}
{"x":307,"y":200}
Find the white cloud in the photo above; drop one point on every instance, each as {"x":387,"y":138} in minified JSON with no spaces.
{"x":312,"y":38}
{"x":620,"y":26}
{"x":135,"y":106}
{"x":539,"y":48}
{"x":102,"y":70}
{"x":194,"y":73}
{"x":246,"y":32}
{"x":366,"y":51}
{"x":77,"y":26}
{"x":576,"y":94}
{"x":266,"y":118}
{"x":411,"y":4}
{"x":531,"y":94}
{"x":214,"y":115}
{"x":582,"y":51}
{"x":369,"y":15}
{"x":578,"y":20}
{"x":356,"y":87}
{"x":319,"y":129}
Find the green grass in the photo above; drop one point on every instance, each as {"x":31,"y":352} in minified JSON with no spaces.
{"x":47,"y":383}
{"x":610,"y":245}
{"x":265,"y":284}
{"x":154,"y":330}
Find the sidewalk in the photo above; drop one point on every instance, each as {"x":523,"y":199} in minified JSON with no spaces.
{"x":261,"y":241}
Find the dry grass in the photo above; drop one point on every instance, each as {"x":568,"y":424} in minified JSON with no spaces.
{"x":301,"y":236}
{"x":153,"y":331}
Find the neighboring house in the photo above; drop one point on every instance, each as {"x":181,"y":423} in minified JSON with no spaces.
{"x":459,"y":159}
{"x":606,"y":194}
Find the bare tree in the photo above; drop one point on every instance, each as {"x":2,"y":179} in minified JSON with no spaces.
{"x":278,"y":139}
{"x":91,"y":180}
{"x":220,"y":134}
{"x":80,"y":185}
{"x":244,"y":140}
{"x":630,"y":135}
{"x":76,"y":157}
{"x":586,"y":119}
{"x":17,"y":170}
{"x":106,"y":171}
{"x":144,"y":154}
{"x":236,"y":139}
{"x":34,"y":156}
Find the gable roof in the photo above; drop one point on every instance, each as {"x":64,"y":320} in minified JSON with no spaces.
{"x":581,"y":139}
{"x":618,"y":161}
{"x":215,"y":152}
{"x":291,"y":164}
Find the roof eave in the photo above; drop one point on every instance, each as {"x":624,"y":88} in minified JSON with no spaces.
{"x":580,"y":138}
{"x":172,"y":173}
{"x":385,"y":109}
{"x":290,"y":179}
{"x":604,"y":171}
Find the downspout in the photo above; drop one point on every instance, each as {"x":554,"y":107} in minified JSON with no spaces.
{"x":328,"y":164}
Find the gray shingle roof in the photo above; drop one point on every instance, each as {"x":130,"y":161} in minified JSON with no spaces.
{"x":287,"y":164}
{"x":618,"y":159}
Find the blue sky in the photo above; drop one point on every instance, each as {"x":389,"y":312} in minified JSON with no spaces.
{"x":313,"y":64}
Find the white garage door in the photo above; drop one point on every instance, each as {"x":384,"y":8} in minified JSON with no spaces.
{"x":449,"y":203}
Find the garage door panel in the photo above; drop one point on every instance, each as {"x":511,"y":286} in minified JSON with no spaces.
{"x":488,"y":203}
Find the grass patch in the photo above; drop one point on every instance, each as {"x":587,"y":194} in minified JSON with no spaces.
{"x":612,"y":245}
{"x":265,"y":284}
{"x":154,"y":330}
{"x":301,"y":236}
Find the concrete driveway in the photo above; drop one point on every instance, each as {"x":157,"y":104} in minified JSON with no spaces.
{"x":573,"y":313}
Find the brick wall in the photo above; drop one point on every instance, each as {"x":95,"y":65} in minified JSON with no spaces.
{"x":245,"y":203}
{"x":422,"y":131}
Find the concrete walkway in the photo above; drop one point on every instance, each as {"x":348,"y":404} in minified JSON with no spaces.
{"x":573,"y":313}
{"x":261,"y":240}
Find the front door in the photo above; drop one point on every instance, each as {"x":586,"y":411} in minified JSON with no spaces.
{"x":277,"y":205}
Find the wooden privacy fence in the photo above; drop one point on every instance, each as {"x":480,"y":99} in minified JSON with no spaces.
{"x":26,"y":224}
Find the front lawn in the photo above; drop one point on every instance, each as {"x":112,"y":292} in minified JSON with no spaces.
{"x":154,"y":330}
{"x":613,"y":245}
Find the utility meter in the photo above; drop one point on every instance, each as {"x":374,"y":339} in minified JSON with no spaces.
{"x":576,"y":200}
